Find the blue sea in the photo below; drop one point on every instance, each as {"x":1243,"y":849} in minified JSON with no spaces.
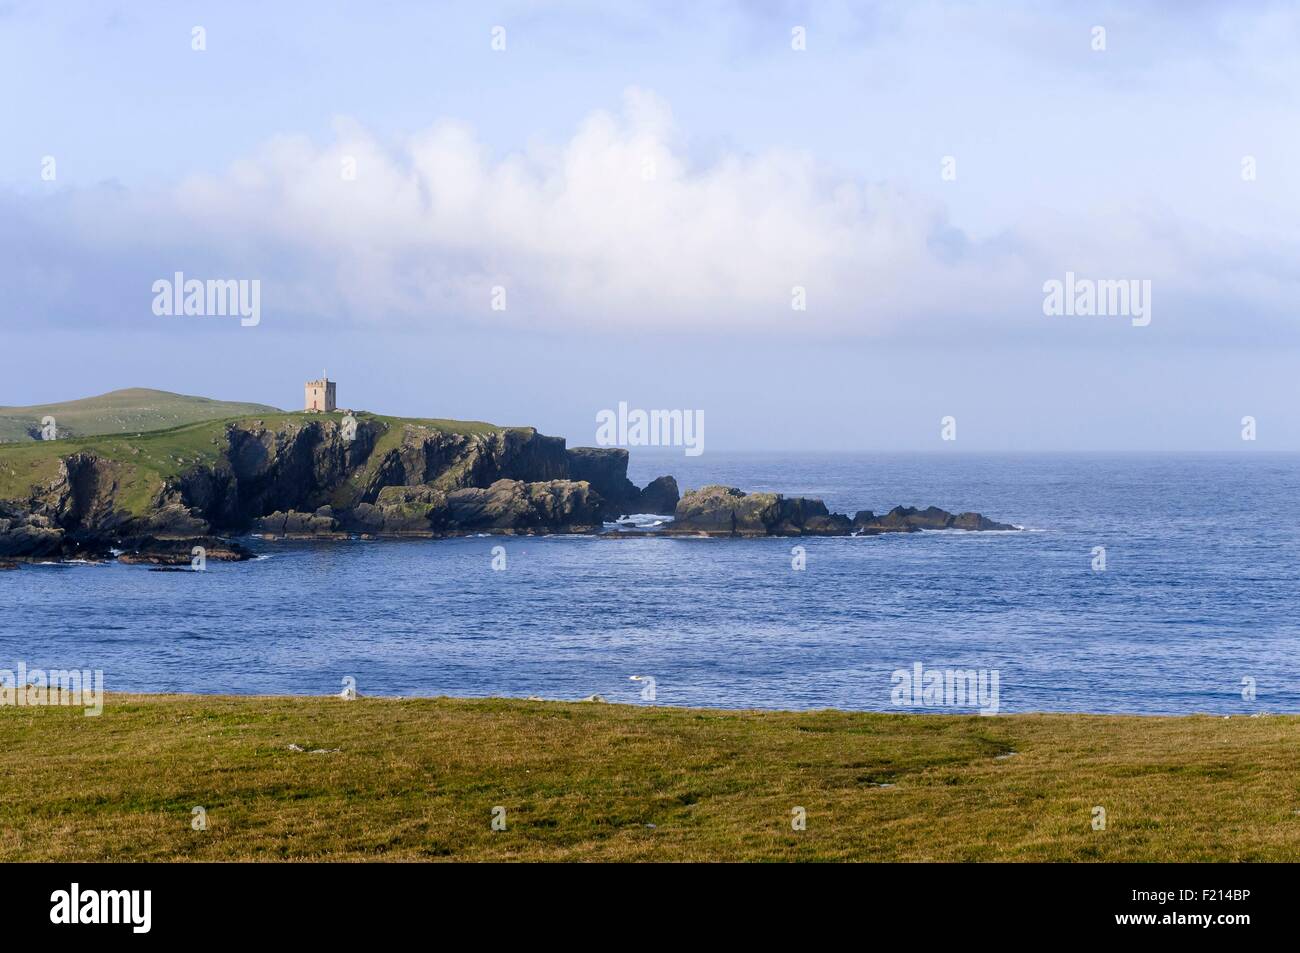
{"x":1199,"y":593}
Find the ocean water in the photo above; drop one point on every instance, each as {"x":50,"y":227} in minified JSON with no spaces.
{"x":1199,"y":593}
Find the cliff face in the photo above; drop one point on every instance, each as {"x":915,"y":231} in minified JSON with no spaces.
{"x":315,"y":476}
{"x":154,"y":494}
{"x":606,"y":470}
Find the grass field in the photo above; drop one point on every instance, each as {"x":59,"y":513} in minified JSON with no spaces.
{"x":131,"y":410}
{"x":419,"y":779}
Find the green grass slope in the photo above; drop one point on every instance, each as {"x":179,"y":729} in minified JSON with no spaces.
{"x":418,"y":779}
{"x":144,"y":460}
{"x":121,"y":411}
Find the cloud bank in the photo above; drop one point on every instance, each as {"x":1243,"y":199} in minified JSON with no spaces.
{"x":616,"y":228}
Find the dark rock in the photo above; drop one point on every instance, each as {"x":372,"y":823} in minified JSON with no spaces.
{"x":292,"y":523}
{"x":974,"y":522}
{"x":605,"y":468}
{"x":28,"y":534}
{"x":907,"y":519}
{"x":660,"y":497}
{"x":512,"y":505}
{"x":452,"y":461}
{"x":179,"y":552}
{"x":309,"y":476}
{"x":173,"y":519}
{"x":727,"y":511}
{"x":398,"y":511}
{"x":82,"y":496}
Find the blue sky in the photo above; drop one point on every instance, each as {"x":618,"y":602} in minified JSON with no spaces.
{"x":648,"y":185}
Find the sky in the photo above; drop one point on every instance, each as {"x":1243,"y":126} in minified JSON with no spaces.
{"x":822,"y":225}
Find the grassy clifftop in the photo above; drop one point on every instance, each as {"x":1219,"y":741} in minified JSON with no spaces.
{"x":142,"y":461}
{"x":132,"y":410}
{"x":413,"y":779}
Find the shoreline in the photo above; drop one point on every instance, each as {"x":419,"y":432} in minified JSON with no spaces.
{"x":172,"y":551}
{"x":601,"y":702}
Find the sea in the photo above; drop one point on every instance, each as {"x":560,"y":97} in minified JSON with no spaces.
{"x":1139,"y":583}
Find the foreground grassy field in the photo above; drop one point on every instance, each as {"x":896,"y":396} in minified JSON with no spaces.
{"x":419,"y":779}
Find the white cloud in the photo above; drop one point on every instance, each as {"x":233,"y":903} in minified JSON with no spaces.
{"x":614,"y":228}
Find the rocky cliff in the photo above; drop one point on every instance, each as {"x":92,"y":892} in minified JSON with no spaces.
{"x":303,"y":475}
{"x":316,"y":475}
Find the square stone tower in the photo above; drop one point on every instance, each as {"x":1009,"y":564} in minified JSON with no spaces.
{"x":320,"y":395}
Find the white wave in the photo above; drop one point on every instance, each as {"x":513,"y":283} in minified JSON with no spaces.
{"x":641,"y":521}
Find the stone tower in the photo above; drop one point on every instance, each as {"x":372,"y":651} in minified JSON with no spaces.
{"x":320,"y":395}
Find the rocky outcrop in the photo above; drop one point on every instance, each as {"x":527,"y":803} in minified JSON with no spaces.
{"x":515,"y":506}
{"x":293,"y":523}
{"x":727,"y":511}
{"x":295,"y":467}
{"x":82,"y":497}
{"x":605,"y":468}
{"x":506,"y":506}
{"x":659,"y":497}
{"x":28,"y":534}
{"x":312,"y":476}
{"x":453,"y":461}
{"x":907,"y":519}
{"x":180,"y":552}
{"x":399,"y":511}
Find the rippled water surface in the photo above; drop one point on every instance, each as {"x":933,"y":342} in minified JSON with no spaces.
{"x":1203,"y":566}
